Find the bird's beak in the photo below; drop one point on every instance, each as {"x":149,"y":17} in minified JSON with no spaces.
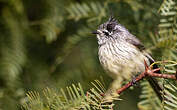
{"x":96,"y":32}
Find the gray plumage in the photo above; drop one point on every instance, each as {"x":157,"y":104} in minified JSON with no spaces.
{"x":120,"y":53}
{"x":118,"y":50}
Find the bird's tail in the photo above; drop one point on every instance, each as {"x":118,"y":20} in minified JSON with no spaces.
{"x":154,"y":84}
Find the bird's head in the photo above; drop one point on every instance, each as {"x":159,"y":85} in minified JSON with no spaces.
{"x":109,"y":30}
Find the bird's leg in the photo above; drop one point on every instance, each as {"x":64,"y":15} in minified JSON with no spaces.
{"x":111,"y":93}
{"x":133,"y":82}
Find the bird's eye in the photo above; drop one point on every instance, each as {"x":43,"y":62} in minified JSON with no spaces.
{"x":106,"y":33}
{"x":110,"y":27}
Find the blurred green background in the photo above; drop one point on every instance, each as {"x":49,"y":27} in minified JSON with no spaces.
{"x":48,"y":43}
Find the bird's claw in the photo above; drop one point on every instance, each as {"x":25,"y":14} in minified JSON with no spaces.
{"x":133,"y":82}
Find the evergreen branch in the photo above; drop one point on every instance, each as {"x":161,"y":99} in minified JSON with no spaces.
{"x":170,"y":96}
{"x":13,"y":51}
{"x":53,"y":22}
{"x":90,"y":10}
{"x":72,"y":99}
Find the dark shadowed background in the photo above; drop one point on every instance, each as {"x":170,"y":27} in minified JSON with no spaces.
{"x":48,"y":43}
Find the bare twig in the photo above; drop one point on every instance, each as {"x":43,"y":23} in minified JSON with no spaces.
{"x":165,"y":76}
{"x":138,"y":78}
{"x":148,"y":72}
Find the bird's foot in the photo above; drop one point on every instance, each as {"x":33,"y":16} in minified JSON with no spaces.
{"x":133,"y":82}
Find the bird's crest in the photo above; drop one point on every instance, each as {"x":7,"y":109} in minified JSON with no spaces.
{"x":112,"y":19}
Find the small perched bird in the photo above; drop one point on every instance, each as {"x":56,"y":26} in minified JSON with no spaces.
{"x":121,"y":54}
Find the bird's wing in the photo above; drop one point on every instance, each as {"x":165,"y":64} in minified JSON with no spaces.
{"x":153,"y":82}
{"x":134,"y":41}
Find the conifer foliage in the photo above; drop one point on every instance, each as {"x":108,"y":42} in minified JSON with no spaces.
{"x":46,"y":45}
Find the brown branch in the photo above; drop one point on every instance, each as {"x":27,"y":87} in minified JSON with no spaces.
{"x":165,"y":76}
{"x":138,"y":78}
{"x":148,"y":72}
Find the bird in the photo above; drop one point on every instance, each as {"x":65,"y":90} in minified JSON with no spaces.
{"x":122,"y":55}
